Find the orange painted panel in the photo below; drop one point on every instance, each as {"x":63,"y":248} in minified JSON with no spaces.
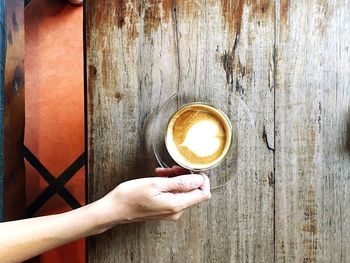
{"x":54,"y":98}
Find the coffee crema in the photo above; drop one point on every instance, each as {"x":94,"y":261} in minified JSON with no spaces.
{"x":198,"y":136}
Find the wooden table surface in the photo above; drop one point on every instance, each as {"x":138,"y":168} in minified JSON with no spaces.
{"x":289,"y":61}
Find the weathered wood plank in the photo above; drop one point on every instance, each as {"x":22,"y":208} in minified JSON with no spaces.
{"x":138,"y":54}
{"x":131,"y":68}
{"x":12,"y":103}
{"x":229,"y":44}
{"x":312,"y":131}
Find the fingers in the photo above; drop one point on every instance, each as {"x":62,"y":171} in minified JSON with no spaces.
{"x":196,"y":196}
{"x":191,"y":198}
{"x":169,"y":172}
{"x":164,"y":172}
{"x":187,"y":190}
{"x":174,"y":217}
{"x":171,"y":216}
{"x":177,"y":170}
{"x":206,"y":186}
{"x":183,"y":183}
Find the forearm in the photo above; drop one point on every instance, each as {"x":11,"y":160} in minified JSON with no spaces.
{"x":140,"y":199}
{"x":23,"y":239}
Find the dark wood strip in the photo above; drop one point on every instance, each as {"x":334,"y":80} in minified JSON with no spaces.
{"x":12,"y":116}
{"x":2,"y":83}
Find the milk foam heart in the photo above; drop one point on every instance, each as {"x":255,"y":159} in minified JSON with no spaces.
{"x":203,"y":138}
{"x":198,"y":136}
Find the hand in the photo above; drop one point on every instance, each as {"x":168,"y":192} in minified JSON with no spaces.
{"x":148,"y":198}
{"x":152,"y":198}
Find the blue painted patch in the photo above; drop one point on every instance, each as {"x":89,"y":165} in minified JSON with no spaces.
{"x":3,"y":39}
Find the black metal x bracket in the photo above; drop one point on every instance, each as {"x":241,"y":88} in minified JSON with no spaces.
{"x":56,"y":185}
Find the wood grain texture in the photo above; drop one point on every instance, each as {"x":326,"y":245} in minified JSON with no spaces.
{"x":2,"y":84}
{"x":230,"y":44}
{"x":138,"y":53}
{"x":13,"y":113}
{"x":312,"y":131}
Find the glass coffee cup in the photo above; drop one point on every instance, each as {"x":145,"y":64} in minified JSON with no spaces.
{"x":232,"y":112}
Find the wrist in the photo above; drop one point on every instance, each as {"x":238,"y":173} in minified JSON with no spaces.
{"x":88,"y":219}
{"x":105,"y":215}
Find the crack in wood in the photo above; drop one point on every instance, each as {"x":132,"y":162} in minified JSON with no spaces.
{"x":264,"y":136}
{"x":176,"y":30}
{"x":228,"y":60}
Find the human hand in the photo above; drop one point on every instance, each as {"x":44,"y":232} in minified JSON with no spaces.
{"x":152,"y":198}
{"x":148,"y":198}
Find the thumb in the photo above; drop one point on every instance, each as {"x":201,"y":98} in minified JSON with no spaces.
{"x":183,"y":183}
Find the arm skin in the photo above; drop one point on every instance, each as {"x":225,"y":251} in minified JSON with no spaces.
{"x":161,"y":198}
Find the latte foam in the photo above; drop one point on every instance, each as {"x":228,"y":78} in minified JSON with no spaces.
{"x":203,"y":131}
{"x":198,"y":136}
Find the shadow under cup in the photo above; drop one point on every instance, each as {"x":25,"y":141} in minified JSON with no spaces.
{"x":223,"y":100}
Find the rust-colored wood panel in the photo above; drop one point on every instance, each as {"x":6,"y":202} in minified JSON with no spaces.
{"x":313,"y":131}
{"x":2,"y":80}
{"x":138,"y":53}
{"x":13,"y":119}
